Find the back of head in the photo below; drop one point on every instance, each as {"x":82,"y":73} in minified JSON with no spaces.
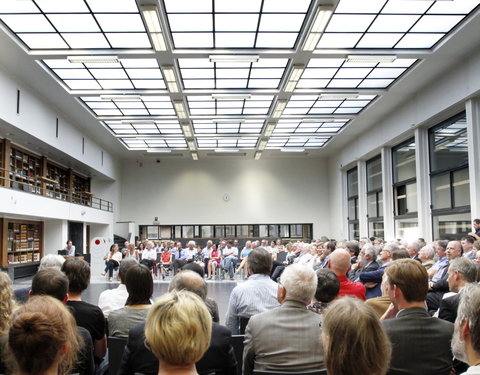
{"x":411,"y":277}
{"x":340,"y":261}
{"x":465,"y":267}
{"x":190,"y":281}
{"x":124,"y":266}
{"x":6,"y":301}
{"x":197,"y":268}
{"x":139,"y":283}
{"x":364,"y":347}
{"x":259,"y":261}
{"x":300,"y":283}
{"x":468,"y":310}
{"x":39,"y":331}
{"x":78,"y":273}
{"x":51,"y":260}
{"x":50,"y":282}
{"x":400,"y":254}
{"x":353,"y":247}
{"x":328,"y":285}
{"x":166,"y":333}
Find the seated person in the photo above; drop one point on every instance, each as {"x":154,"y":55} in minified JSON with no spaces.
{"x":139,"y":284}
{"x":328,"y":286}
{"x":214,"y":257}
{"x":165,"y":262}
{"x":149,"y":255}
{"x":112,"y":261}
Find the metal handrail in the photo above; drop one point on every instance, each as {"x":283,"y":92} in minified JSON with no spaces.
{"x":36,"y":185}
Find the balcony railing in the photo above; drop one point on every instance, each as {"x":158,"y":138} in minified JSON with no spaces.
{"x":51,"y":189}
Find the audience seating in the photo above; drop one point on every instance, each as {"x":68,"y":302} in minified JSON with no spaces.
{"x":237,"y":343}
{"x":272,"y":372}
{"x":115,"y":353}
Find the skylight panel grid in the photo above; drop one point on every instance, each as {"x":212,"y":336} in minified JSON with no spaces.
{"x":146,"y":106}
{"x":201,"y":105}
{"x":230,"y":143}
{"x":229,"y":126}
{"x":296,"y":142}
{"x":229,"y":24}
{"x":313,"y":105}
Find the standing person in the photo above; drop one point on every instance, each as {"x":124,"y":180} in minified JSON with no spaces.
{"x":214,"y":261}
{"x":70,"y":248}
{"x":112,"y":261}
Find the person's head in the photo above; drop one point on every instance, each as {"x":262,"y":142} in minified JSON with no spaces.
{"x":353,"y":248}
{"x":139,"y":283}
{"x":191,"y":281}
{"x":50,"y":282}
{"x":141,"y":246}
{"x":191,"y":245}
{"x":467,"y":243}
{"x":461,"y":271}
{"x":131,"y":248}
{"x":113,"y":248}
{"x":370,"y":254}
{"x":476,"y":224}
{"x":368,"y":350}
{"x":328,"y":285}
{"x":43,"y":333}
{"x":297,"y":283}
{"x":192,"y":266}
{"x":78,"y":273}
{"x":406,"y":279}
{"x":426,"y":253}
{"x":6,"y":301}
{"x":235,"y":243}
{"x":339,"y":262}
{"x":51,"y":260}
{"x":400,"y":253}
{"x":209,"y":243}
{"x":149,"y":245}
{"x":248,"y":244}
{"x":278,"y":242}
{"x":330,"y":246}
{"x":454,"y":250}
{"x":69,"y":243}
{"x":441,"y":248}
{"x":124,"y":266}
{"x":466,"y":336}
{"x":413,"y":248}
{"x":259,"y":261}
{"x":178,"y":328}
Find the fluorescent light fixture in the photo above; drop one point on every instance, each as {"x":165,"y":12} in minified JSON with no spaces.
{"x":258,"y":155}
{"x":150,"y":15}
{"x":194,"y":155}
{"x":158,"y":150}
{"x":180,"y":109}
{"x":286,"y":149}
{"x":262,"y":145}
{"x":270,"y":128}
{"x":231,"y":96}
{"x":294,"y":77}
{"x":191,"y":145}
{"x":228,"y":120}
{"x":226,"y":150}
{"x":186,"y":130}
{"x":150,"y":122}
{"x":119,"y":98}
{"x":279,"y":107}
{"x":93,"y":59}
{"x":322,"y":16}
{"x":234,"y":58}
{"x":317,"y":120}
{"x":338,"y":96}
{"x":371,"y":58}
{"x":170,"y":78}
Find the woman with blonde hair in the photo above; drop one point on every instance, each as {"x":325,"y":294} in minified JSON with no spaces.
{"x":43,"y":338}
{"x":354,"y":340}
{"x":178,"y":331}
{"x":7,"y":305}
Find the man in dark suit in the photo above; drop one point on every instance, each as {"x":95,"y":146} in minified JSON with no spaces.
{"x":219,"y":358}
{"x":420,"y":343}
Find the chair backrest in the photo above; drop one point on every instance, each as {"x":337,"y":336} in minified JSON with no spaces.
{"x":237,"y":343}
{"x":243,"y":324}
{"x":307,"y":372}
{"x":115,"y":353}
{"x":281,"y":256}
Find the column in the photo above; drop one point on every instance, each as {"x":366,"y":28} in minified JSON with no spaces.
{"x":423,"y":184}
{"x":387,"y":186}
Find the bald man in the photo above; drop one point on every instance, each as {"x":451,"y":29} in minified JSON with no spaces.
{"x":339,"y":263}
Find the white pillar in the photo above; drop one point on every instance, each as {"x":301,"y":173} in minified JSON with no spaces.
{"x":362,"y":198}
{"x":423,"y":184}
{"x":387,"y":187}
{"x":473,"y":136}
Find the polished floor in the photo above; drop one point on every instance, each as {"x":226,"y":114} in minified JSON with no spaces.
{"x":218,"y":290}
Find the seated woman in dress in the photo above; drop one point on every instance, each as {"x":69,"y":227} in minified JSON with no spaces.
{"x":243,"y":257}
{"x":214,"y":257}
{"x":112,"y":261}
{"x":131,"y":252}
{"x":42,"y":338}
{"x":139,"y":283}
{"x":176,"y":347}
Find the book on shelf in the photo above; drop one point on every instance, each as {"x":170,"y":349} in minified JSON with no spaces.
{"x":36,"y":257}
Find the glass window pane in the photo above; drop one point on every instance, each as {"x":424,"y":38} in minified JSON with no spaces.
{"x":353,"y":231}
{"x":229,"y":230}
{"x":375,"y":229}
{"x":374,"y":174}
{"x":219,"y":231}
{"x":242,"y":230}
{"x":451,"y":227}
{"x":411,"y":198}
{"x":262,"y":231}
{"x":448,"y":145}
{"x":380,"y":204}
{"x":296,"y":230}
{"x":284,"y":230}
{"x":372,"y":205}
{"x":307,"y":231}
{"x":196,"y":230}
{"x":352,"y":182}
{"x":441,"y":191}
{"x":152,"y":232}
{"x":461,"y":188}
{"x":273,"y":230}
{"x":187,"y":231}
{"x":178,"y":231}
{"x":352,"y":209}
{"x":165,"y":232}
{"x":406,"y":229}
{"x":207,"y":231}
{"x":404,"y":162}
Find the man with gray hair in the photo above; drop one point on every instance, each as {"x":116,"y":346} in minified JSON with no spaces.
{"x":466,"y":335}
{"x":286,"y":338}
{"x":413,"y":248}
{"x":462,"y":271}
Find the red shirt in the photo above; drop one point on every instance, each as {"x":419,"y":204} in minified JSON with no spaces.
{"x":166,"y":257}
{"x":350,"y":288}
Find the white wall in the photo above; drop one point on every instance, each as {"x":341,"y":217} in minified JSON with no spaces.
{"x":55,"y":235}
{"x":263,"y":191}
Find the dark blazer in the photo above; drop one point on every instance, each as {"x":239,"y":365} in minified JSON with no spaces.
{"x":354,"y":274}
{"x":373,"y":277}
{"x":220,"y":356}
{"x":420,"y":343}
{"x":448,"y":308}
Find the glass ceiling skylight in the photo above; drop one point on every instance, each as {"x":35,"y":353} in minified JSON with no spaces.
{"x":175,"y":97}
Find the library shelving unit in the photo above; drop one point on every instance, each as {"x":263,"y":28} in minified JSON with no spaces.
{"x":56,"y":182}
{"x":81,"y":190}
{"x":21,"y":246}
{"x":24,"y":170}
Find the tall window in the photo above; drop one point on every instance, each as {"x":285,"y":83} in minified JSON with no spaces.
{"x":449,"y":178}
{"x":405,"y":190}
{"x":352,"y":195}
{"x":375,"y":197}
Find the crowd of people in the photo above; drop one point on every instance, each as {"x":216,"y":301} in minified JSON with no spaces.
{"x":349,"y":307}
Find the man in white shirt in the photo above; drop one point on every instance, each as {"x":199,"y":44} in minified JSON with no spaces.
{"x":113,"y":299}
{"x":230,"y":258}
{"x":149,"y":255}
{"x":70,"y":248}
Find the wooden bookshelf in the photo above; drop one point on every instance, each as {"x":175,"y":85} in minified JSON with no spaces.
{"x":81,"y":190}
{"x":22,"y":242}
{"x":56,"y":182}
{"x":24,"y":169}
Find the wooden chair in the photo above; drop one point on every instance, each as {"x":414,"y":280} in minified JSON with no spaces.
{"x":115,"y":353}
{"x":307,"y":372}
{"x":237,"y":343}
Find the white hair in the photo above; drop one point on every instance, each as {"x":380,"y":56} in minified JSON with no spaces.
{"x":300,"y":282}
{"x":51,"y":261}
